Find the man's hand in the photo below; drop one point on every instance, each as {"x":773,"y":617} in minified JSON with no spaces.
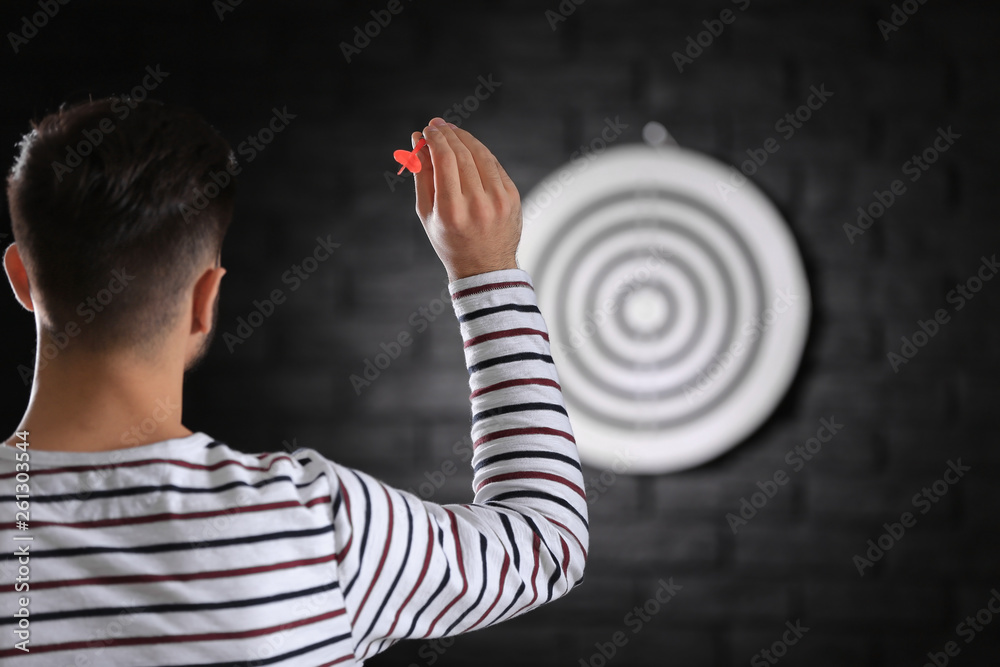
{"x":469,"y":207}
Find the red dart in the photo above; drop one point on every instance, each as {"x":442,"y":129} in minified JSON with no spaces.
{"x":409,"y":159}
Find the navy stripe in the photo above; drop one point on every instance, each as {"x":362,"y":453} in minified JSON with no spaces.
{"x":136,"y":490}
{"x":482,"y":312}
{"x":517,"y":596}
{"x":384,"y":644}
{"x":517,"y":407}
{"x":364,"y":535}
{"x":505,"y":520}
{"x":511,"y":358}
{"x":542,"y":496}
{"x":534,"y":528}
{"x":166,"y":608}
{"x":272,"y":659}
{"x":447,"y":574}
{"x":444,"y":582}
{"x":554,"y":578}
{"x":510,"y":456}
{"x":402,"y":567}
{"x":541,"y":540}
{"x":337,"y":502}
{"x":555,"y":559}
{"x":214,"y":443}
{"x":482,"y":591}
{"x":178,"y":546}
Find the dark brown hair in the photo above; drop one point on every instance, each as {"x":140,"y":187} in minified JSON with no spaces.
{"x":119,"y":185}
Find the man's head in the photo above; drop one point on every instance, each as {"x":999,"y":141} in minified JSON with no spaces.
{"x":119,"y":210}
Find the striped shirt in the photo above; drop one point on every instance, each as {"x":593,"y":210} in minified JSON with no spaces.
{"x":190,"y":552}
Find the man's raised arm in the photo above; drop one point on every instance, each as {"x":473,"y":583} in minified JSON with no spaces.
{"x":416,"y":569}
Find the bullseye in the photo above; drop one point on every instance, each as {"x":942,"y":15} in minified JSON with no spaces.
{"x":645,"y":310}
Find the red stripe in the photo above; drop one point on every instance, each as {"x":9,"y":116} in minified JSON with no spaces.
{"x":535,"y":543}
{"x":338,"y":660}
{"x":532,"y":475}
{"x":152,"y":518}
{"x":506,"y":333}
{"x":347,"y":503}
{"x":143,"y":462}
{"x":420,"y":579}
{"x":565,"y":563}
{"x":461,"y":568}
{"x":572,"y":534}
{"x":487,"y":288}
{"x":503,"y":580}
{"x":385,"y":553}
{"x":515,"y":383}
{"x":531,"y":430}
{"x":172,"y":639}
{"x":187,"y":576}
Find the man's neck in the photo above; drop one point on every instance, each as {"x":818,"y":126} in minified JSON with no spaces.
{"x":83,"y":405}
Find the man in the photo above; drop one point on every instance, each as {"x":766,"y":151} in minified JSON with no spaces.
{"x":163,"y":546}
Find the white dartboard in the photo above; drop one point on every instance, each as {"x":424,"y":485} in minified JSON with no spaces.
{"x":676,"y":302}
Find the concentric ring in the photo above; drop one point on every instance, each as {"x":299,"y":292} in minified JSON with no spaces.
{"x":628,"y":328}
{"x":699,"y":326}
{"x":706,"y":369}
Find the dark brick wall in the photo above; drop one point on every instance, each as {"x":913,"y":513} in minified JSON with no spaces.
{"x":324,"y":175}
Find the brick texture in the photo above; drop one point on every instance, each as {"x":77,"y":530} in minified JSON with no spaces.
{"x":290,"y":382}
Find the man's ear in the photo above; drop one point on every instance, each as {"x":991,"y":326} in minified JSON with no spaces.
{"x":18,"y":276}
{"x":202,"y":304}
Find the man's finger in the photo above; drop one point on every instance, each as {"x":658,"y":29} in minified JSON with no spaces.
{"x":447,"y":184}
{"x":424,"y":181}
{"x":486,"y":164}
{"x":508,"y":184}
{"x":467,"y":168}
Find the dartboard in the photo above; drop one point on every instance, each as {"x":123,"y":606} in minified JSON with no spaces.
{"x":676,"y":303}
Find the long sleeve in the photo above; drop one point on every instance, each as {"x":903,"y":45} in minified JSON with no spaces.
{"x":415,"y":569}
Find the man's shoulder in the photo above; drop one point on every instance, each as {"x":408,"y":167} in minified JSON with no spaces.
{"x":298,"y":462}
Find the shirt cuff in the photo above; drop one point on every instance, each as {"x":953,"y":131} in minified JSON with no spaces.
{"x":487,"y":282}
